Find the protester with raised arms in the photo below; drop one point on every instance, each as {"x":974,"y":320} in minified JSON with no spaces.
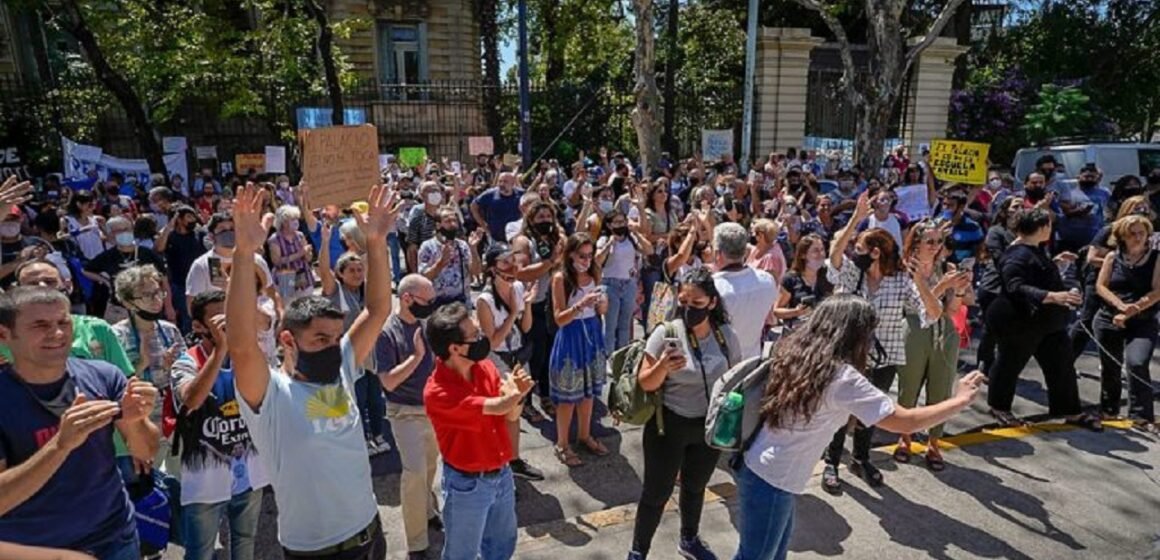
{"x":301,"y":417}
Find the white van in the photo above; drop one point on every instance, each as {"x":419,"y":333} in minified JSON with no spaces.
{"x":1115,"y":160}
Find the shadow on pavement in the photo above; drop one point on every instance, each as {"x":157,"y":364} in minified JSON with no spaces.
{"x":818,"y":527}
{"x":921,"y":527}
{"x":1007,"y":449}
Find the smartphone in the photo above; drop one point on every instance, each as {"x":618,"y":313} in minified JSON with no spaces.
{"x":673,"y":343}
{"x":456,"y":167}
{"x":967,"y":264}
{"x":216,"y":274}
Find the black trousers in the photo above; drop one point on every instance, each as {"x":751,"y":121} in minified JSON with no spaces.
{"x":1133,"y":345}
{"x":1052,"y":351}
{"x":1087,"y":314}
{"x":681,"y":449}
{"x":540,"y":339}
{"x":985,"y":356}
{"x":881,"y":378}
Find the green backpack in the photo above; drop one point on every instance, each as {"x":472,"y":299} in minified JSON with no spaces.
{"x":627,"y":400}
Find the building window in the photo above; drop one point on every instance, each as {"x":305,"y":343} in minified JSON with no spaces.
{"x":402,"y":53}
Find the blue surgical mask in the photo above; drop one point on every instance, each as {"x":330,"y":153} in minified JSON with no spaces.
{"x":125,"y":238}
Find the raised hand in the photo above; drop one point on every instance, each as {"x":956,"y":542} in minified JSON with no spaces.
{"x":327,"y":231}
{"x":217,"y":331}
{"x":420,"y":347}
{"x":248,"y":231}
{"x":969,"y":386}
{"x":138,"y":402}
{"x":864,"y":207}
{"x":82,"y":419}
{"x":14,"y":191}
{"x":522,"y":380}
{"x":383,"y":210}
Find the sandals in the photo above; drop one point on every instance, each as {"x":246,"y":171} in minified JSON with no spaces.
{"x":902,"y":453}
{"x":1147,"y":427}
{"x":595,"y":447}
{"x":830,"y":481}
{"x":1006,"y":419}
{"x":934,"y":460}
{"x":567,"y":457}
{"x":1086,"y":421}
{"x":867,"y":472}
{"x":548,"y":408}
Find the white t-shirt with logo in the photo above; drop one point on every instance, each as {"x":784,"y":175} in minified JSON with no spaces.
{"x":310,"y":439}
{"x":201,"y":280}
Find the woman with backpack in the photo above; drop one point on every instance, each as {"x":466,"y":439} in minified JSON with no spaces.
{"x":683,"y":359}
{"x":620,"y":254}
{"x":816,"y":380}
{"x":576,"y":366}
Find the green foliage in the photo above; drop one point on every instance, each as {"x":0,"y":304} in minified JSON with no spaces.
{"x":1060,"y":111}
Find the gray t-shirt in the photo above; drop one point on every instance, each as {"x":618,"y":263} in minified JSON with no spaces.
{"x":310,"y":439}
{"x":395,"y":345}
{"x":685,"y":389}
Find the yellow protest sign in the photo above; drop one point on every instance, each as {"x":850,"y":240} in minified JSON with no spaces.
{"x":959,"y":161}
{"x":340,"y":163}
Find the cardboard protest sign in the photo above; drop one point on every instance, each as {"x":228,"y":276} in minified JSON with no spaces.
{"x":715,"y":144}
{"x":959,"y":161}
{"x":511,"y":160}
{"x":480,"y":145}
{"x":913,"y":201}
{"x":411,"y":157}
{"x":245,"y":162}
{"x":340,"y":163}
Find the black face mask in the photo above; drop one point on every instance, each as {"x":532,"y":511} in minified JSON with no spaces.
{"x":449,"y":233}
{"x":620,"y":231}
{"x":863,"y":261}
{"x":693,"y":316}
{"x":422,"y":310}
{"x":322,"y":367}
{"x":1035,"y":195}
{"x":544,"y":228}
{"x":479,"y":350}
{"x":1088,"y":184}
{"x":150,"y":315}
{"x":753,"y":240}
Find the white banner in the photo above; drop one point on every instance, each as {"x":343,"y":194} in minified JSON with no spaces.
{"x":275,"y":159}
{"x":80,"y":159}
{"x":716,"y":143}
{"x":205,"y":152}
{"x":174,"y":144}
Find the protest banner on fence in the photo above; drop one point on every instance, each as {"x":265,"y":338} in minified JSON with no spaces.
{"x":340,"y":163}
{"x":174,"y":144}
{"x":11,"y":164}
{"x":243,"y":163}
{"x":716,"y":143}
{"x":275,"y":159}
{"x":80,"y":159}
{"x":913,"y":201}
{"x":959,"y":161}
{"x":205,"y":152}
{"x":412,"y":157}
{"x":480,"y":145}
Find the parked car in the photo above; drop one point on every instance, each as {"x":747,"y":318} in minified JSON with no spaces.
{"x":1114,"y":159}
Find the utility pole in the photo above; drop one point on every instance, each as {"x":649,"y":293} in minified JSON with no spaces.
{"x":750,"y":69}
{"x":525,"y":93}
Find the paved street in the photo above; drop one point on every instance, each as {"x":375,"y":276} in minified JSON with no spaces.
{"x":1050,"y":493}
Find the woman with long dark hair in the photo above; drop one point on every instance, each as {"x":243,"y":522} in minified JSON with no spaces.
{"x":1030,"y":319}
{"x":816,"y":381}
{"x":999,"y":237}
{"x":683,"y":359}
{"x":659,"y":219}
{"x":620,"y":253}
{"x":805,"y":284}
{"x":576,"y":366}
{"x":877,"y":274}
{"x":539,"y":248}
{"x":1129,"y":287}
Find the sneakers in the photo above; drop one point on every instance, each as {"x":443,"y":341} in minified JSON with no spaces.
{"x":377,"y":446}
{"x":435,"y":524}
{"x":521,"y":469}
{"x":634,"y":555}
{"x":695,"y":549}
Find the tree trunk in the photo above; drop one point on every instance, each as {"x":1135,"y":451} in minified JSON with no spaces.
{"x":131,"y":103}
{"x":326,"y":54}
{"x":671,"y":66}
{"x":962,"y":34}
{"x":552,"y":44}
{"x":489,"y":37}
{"x":644,"y":115}
{"x":870,"y":138}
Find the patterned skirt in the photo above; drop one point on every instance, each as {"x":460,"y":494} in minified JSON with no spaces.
{"x":576,"y":369}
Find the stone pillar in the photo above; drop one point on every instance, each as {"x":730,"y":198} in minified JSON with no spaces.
{"x":928,"y":100}
{"x":782,"y":79}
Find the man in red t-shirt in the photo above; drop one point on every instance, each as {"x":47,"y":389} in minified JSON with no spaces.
{"x":469,"y":406}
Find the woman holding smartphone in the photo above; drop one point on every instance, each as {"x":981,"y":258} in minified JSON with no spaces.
{"x":683,"y":359}
{"x":620,"y":254}
{"x":576,"y":366}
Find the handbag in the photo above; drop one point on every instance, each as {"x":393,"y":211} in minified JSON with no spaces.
{"x":664,"y":298}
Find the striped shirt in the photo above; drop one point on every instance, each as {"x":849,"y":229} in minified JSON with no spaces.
{"x":894,"y":295}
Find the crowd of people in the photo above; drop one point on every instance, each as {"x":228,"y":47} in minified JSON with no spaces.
{"x":225,"y":337}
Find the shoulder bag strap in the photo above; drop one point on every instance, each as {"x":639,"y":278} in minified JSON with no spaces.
{"x":696,"y":347}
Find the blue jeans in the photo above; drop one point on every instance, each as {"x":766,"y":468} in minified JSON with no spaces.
{"x":372,"y":405}
{"x":127,"y":547}
{"x":766,"y":518}
{"x":621,"y":306}
{"x":479,"y":515}
{"x":393,"y":242}
{"x":200,"y":524}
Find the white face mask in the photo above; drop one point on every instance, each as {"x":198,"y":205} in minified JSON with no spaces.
{"x":605,"y":206}
{"x":284,"y":185}
{"x":435,"y":198}
{"x":995,"y":184}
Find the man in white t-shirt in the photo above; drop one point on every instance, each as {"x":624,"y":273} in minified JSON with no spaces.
{"x":208,"y":271}
{"x":748,"y":294}
{"x":302,"y":417}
